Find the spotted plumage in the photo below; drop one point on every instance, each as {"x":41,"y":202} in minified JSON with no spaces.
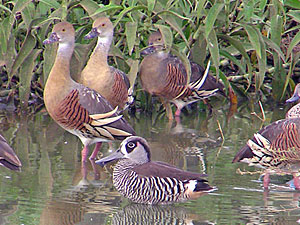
{"x":79,"y":109}
{"x":164,"y":75}
{"x":110,"y":82}
{"x":141,"y":180}
{"x":276,"y":147}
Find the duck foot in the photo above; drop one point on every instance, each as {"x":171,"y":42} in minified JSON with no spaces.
{"x":296,"y":181}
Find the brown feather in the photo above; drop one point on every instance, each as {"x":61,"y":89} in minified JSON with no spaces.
{"x":163,"y":170}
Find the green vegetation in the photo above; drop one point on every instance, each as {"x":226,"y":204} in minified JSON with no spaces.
{"x":253,"y":44}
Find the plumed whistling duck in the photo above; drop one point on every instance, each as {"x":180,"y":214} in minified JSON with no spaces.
{"x":110,"y":82}
{"x":276,"y":147}
{"x":164,"y":75}
{"x":76,"y":108}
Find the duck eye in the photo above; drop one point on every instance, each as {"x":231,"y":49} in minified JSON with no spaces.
{"x":63,"y":30}
{"x":131,"y":145}
{"x":159,"y":39}
{"x":103,"y":24}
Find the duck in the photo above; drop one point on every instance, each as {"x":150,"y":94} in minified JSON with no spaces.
{"x":276,"y":147}
{"x":8,"y":157}
{"x":144,"y":181}
{"x":113,"y":84}
{"x":78,"y":109}
{"x":164,"y":75}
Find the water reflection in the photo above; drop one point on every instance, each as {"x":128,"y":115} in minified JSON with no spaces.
{"x":147,"y":214}
{"x":51,"y":188}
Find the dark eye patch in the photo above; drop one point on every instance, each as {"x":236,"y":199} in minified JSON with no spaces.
{"x":130,"y":146}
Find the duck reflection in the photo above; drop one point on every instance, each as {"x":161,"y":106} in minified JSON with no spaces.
{"x":280,"y":207}
{"x":7,"y":208}
{"x":147,"y":214}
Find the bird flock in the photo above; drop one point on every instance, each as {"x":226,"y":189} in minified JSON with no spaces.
{"x":92,"y":110}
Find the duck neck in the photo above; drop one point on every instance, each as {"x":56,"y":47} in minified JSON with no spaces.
{"x":294,"y":112}
{"x":97,"y":69}
{"x":59,"y":81}
{"x":100,"y":52}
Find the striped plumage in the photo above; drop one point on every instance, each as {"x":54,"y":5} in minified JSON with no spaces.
{"x":110,"y":82}
{"x":139,"y":179}
{"x":276,"y":147}
{"x":79,"y":109}
{"x":164,"y":75}
{"x":155,"y":214}
{"x":8,"y":157}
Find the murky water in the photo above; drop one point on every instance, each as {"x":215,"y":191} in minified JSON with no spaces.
{"x":50,"y":189}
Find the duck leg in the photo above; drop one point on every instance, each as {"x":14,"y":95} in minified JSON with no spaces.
{"x":266,"y":180}
{"x":296,"y":181}
{"x":177,"y":112}
{"x":168,"y":108}
{"x":96,"y":150}
{"x":84,"y":153}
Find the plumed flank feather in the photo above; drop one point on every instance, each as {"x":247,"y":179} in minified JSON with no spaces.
{"x":106,"y":121}
{"x":104,"y":115}
{"x":117,"y":132}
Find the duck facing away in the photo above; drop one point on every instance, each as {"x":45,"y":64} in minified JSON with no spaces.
{"x":276,"y":147}
{"x":110,"y":82}
{"x":75,"y":107}
{"x":164,"y":75}
{"x":141,"y":180}
{"x":8,"y":157}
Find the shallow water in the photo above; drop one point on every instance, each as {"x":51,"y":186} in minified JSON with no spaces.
{"x":50,"y":189}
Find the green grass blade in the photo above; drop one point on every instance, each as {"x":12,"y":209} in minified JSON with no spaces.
{"x":5,"y":8}
{"x":211,"y":17}
{"x":213,"y":47}
{"x":26,"y":49}
{"x":254,"y":38}
{"x":25,"y":75}
{"x":233,"y":59}
{"x":90,"y":7}
{"x":293,"y":43}
{"x":130,"y":31}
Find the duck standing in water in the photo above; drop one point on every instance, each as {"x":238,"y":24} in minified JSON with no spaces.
{"x":276,"y":147}
{"x":164,"y":75}
{"x":141,"y":180}
{"x":76,"y":108}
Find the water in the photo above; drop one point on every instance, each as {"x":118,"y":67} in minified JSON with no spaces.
{"x":51,"y":190}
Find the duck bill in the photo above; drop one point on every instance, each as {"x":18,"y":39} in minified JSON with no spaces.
{"x":92,"y":34}
{"x":52,"y":39}
{"x":112,"y":157}
{"x":147,"y":51}
{"x":294,"y":98}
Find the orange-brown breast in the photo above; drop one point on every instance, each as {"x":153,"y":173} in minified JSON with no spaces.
{"x":70,"y":114}
{"x":119,"y":92}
